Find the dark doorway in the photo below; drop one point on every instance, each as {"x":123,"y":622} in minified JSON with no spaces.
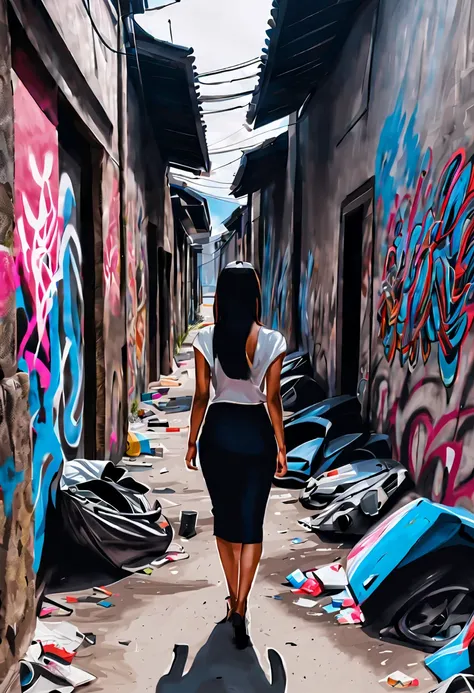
{"x":76,"y":163}
{"x":354,"y":333}
{"x":164,"y":302}
{"x":152,"y":249}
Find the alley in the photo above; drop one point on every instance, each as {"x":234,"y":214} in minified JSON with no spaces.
{"x":181,"y":602}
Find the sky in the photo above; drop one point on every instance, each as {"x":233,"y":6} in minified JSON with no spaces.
{"x":222,"y":33}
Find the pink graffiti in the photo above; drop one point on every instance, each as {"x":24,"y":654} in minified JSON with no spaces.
{"x":7,"y":285}
{"x":112,"y":254}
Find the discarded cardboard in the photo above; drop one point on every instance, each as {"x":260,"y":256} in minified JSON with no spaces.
{"x":400,"y":680}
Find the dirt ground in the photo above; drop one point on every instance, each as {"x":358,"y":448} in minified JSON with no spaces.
{"x":180,"y":604}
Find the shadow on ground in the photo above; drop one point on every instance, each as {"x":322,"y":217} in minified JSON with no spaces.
{"x":220,"y":668}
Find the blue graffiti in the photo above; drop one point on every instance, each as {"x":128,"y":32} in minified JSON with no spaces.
{"x":9,"y":480}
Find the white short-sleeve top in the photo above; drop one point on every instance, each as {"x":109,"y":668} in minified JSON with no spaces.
{"x":270,"y":345}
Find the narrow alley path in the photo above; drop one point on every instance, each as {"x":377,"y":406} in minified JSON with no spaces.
{"x":181,"y":603}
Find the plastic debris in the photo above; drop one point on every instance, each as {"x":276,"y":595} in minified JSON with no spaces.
{"x":282,"y":531}
{"x":350,"y":616}
{"x":332,"y":576}
{"x":170,"y":557}
{"x":163,"y":470}
{"x":292,"y":644}
{"x":187,"y":527}
{"x":105,"y":604}
{"x":298,"y":540}
{"x":125,"y":642}
{"x":61,"y":652}
{"x":280,"y":496}
{"x":312,"y":587}
{"x":400,"y":680}
{"x":103,"y":590}
{"x":297,"y":578}
{"x":331,"y":609}
{"x":343,"y":600}
{"x":306,"y":603}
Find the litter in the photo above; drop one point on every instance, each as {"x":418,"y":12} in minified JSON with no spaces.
{"x":331,"y":609}
{"x":292,"y":644}
{"x":324,"y":549}
{"x":61,"y":634}
{"x":312,"y":587}
{"x":163,"y":491}
{"x":55,"y":651}
{"x":83,"y":600}
{"x":343,"y":600}
{"x":163,"y":470}
{"x":350,"y":616}
{"x":384,"y":662}
{"x":275,"y":596}
{"x":90,"y":638}
{"x":171,"y":557}
{"x":332,"y":576}
{"x":296,"y":578}
{"x":298,"y":540}
{"x":103,"y":590}
{"x":136,"y":464}
{"x":306,"y":603}
{"x":174,"y":572}
{"x":400,"y":680}
{"x":125,"y":642}
{"x":105,"y":604}
{"x":147,"y":571}
{"x":282,"y":531}
{"x":280,"y":496}
{"x":187,"y":527}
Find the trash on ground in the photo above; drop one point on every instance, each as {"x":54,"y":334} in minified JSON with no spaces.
{"x":350,"y":616}
{"x":343,"y":599}
{"x":331,"y":609}
{"x":125,"y":642}
{"x":310,"y":586}
{"x":298,"y":540}
{"x":297,"y":578}
{"x":332,"y":576}
{"x":105,"y":604}
{"x":163,"y":491}
{"x":400,"y":680}
{"x":164,"y":470}
{"x":187,"y":527}
{"x":306,"y":603}
{"x":280,"y":496}
{"x":282,"y":531}
{"x":292,"y":644}
{"x":103,"y":590}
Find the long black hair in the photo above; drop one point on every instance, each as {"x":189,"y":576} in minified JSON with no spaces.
{"x":237,"y":305}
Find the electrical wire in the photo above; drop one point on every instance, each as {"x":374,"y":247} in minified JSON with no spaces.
{"x":205,"y":185}
{"x":225,"y":110}
{"x":226,"y":81}
{"x":230,"y":68}
{"x":210,"y":98}
{"x":248,"y":139}
{"x":224,"y":165}
{"x":96,"y":30}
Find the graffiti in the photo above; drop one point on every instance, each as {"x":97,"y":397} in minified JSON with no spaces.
{"x":136,"y":298}
{"x":427,"y":294}
{"x":110,"y":322}
{"x":49,"y":300}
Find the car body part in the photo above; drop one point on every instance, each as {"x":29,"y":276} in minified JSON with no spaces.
{"x":299,"y":392}
{"x":297,"y":363}
{"x":408,"y":575}
{"x":343,"y":412}
{"x":354,"y":510}
{"x":460,"y":683}
{"x":302,"y":462}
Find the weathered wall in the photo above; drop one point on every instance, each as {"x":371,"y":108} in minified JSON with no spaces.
{"x":17,"y":591}
{"x":417,"y":139}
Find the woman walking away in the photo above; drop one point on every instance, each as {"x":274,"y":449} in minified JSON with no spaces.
{"x":241,"y":447}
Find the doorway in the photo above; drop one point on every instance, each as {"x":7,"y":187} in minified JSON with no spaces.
{"x":354,"y":319}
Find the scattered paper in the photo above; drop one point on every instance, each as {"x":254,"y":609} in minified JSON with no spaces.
{"x":306,"y":603}
{"x":331,"y":609}
{"x":163,"y":471}
{"x":282,"y":531}
{"x":400,"y":680}
{"x":332,"y":576}
{"x":296,"y":578}
{"x":350,"y":616}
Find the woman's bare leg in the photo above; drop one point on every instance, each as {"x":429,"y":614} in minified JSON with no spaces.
{"x":230,"y":558}
{"x":249,"y":560}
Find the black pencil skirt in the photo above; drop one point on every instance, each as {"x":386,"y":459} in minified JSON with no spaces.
{"x":238,"y":451}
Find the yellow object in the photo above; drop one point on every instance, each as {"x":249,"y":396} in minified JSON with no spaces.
{"x":133,"y":445}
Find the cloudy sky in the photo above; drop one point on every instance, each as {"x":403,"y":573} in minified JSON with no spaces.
{"x":222,"y":33}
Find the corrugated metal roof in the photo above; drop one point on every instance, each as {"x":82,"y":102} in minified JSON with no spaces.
{"x":259,"y":165}
{"x":172,"y":100}
{"x":302,"y":45}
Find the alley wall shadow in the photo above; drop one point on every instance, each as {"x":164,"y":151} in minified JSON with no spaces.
{"x":220,"y":668}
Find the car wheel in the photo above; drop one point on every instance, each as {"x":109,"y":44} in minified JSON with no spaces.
{"x":437,"y":616}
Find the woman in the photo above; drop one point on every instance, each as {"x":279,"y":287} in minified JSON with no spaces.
{"x":241,"y":447}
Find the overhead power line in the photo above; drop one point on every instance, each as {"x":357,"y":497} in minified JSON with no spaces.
{"x":228,"y":164}
{"x":226,"y":81}
{"x":230,"y":68}
{"x":225,"y":110}
{"x":99,"y":35}
{"x":227,"y":97}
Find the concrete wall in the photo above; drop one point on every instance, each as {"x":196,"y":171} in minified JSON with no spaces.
{"x":16,"y":501}
{"x":414,"y":131}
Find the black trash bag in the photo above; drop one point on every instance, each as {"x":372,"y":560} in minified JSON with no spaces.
{"x":299,"y":392}
{"x":115,"y":523}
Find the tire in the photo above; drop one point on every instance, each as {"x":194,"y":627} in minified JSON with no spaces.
{"x":425,"y":604}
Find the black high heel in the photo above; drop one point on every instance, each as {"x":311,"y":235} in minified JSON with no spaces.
{"x":241,"y":637}
{"x":224,"y":620}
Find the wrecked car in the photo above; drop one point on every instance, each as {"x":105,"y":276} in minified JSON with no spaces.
{"x":348,"y":500}
{"x":409,"y":577}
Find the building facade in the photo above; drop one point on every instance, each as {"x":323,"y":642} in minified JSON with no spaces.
{"x":382,"y":226}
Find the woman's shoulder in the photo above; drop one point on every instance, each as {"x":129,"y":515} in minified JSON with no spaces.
{"x":274,"y":339}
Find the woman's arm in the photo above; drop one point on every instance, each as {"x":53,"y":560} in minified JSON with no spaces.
{"x":200,"y":402}
{"x":275,"y":410}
